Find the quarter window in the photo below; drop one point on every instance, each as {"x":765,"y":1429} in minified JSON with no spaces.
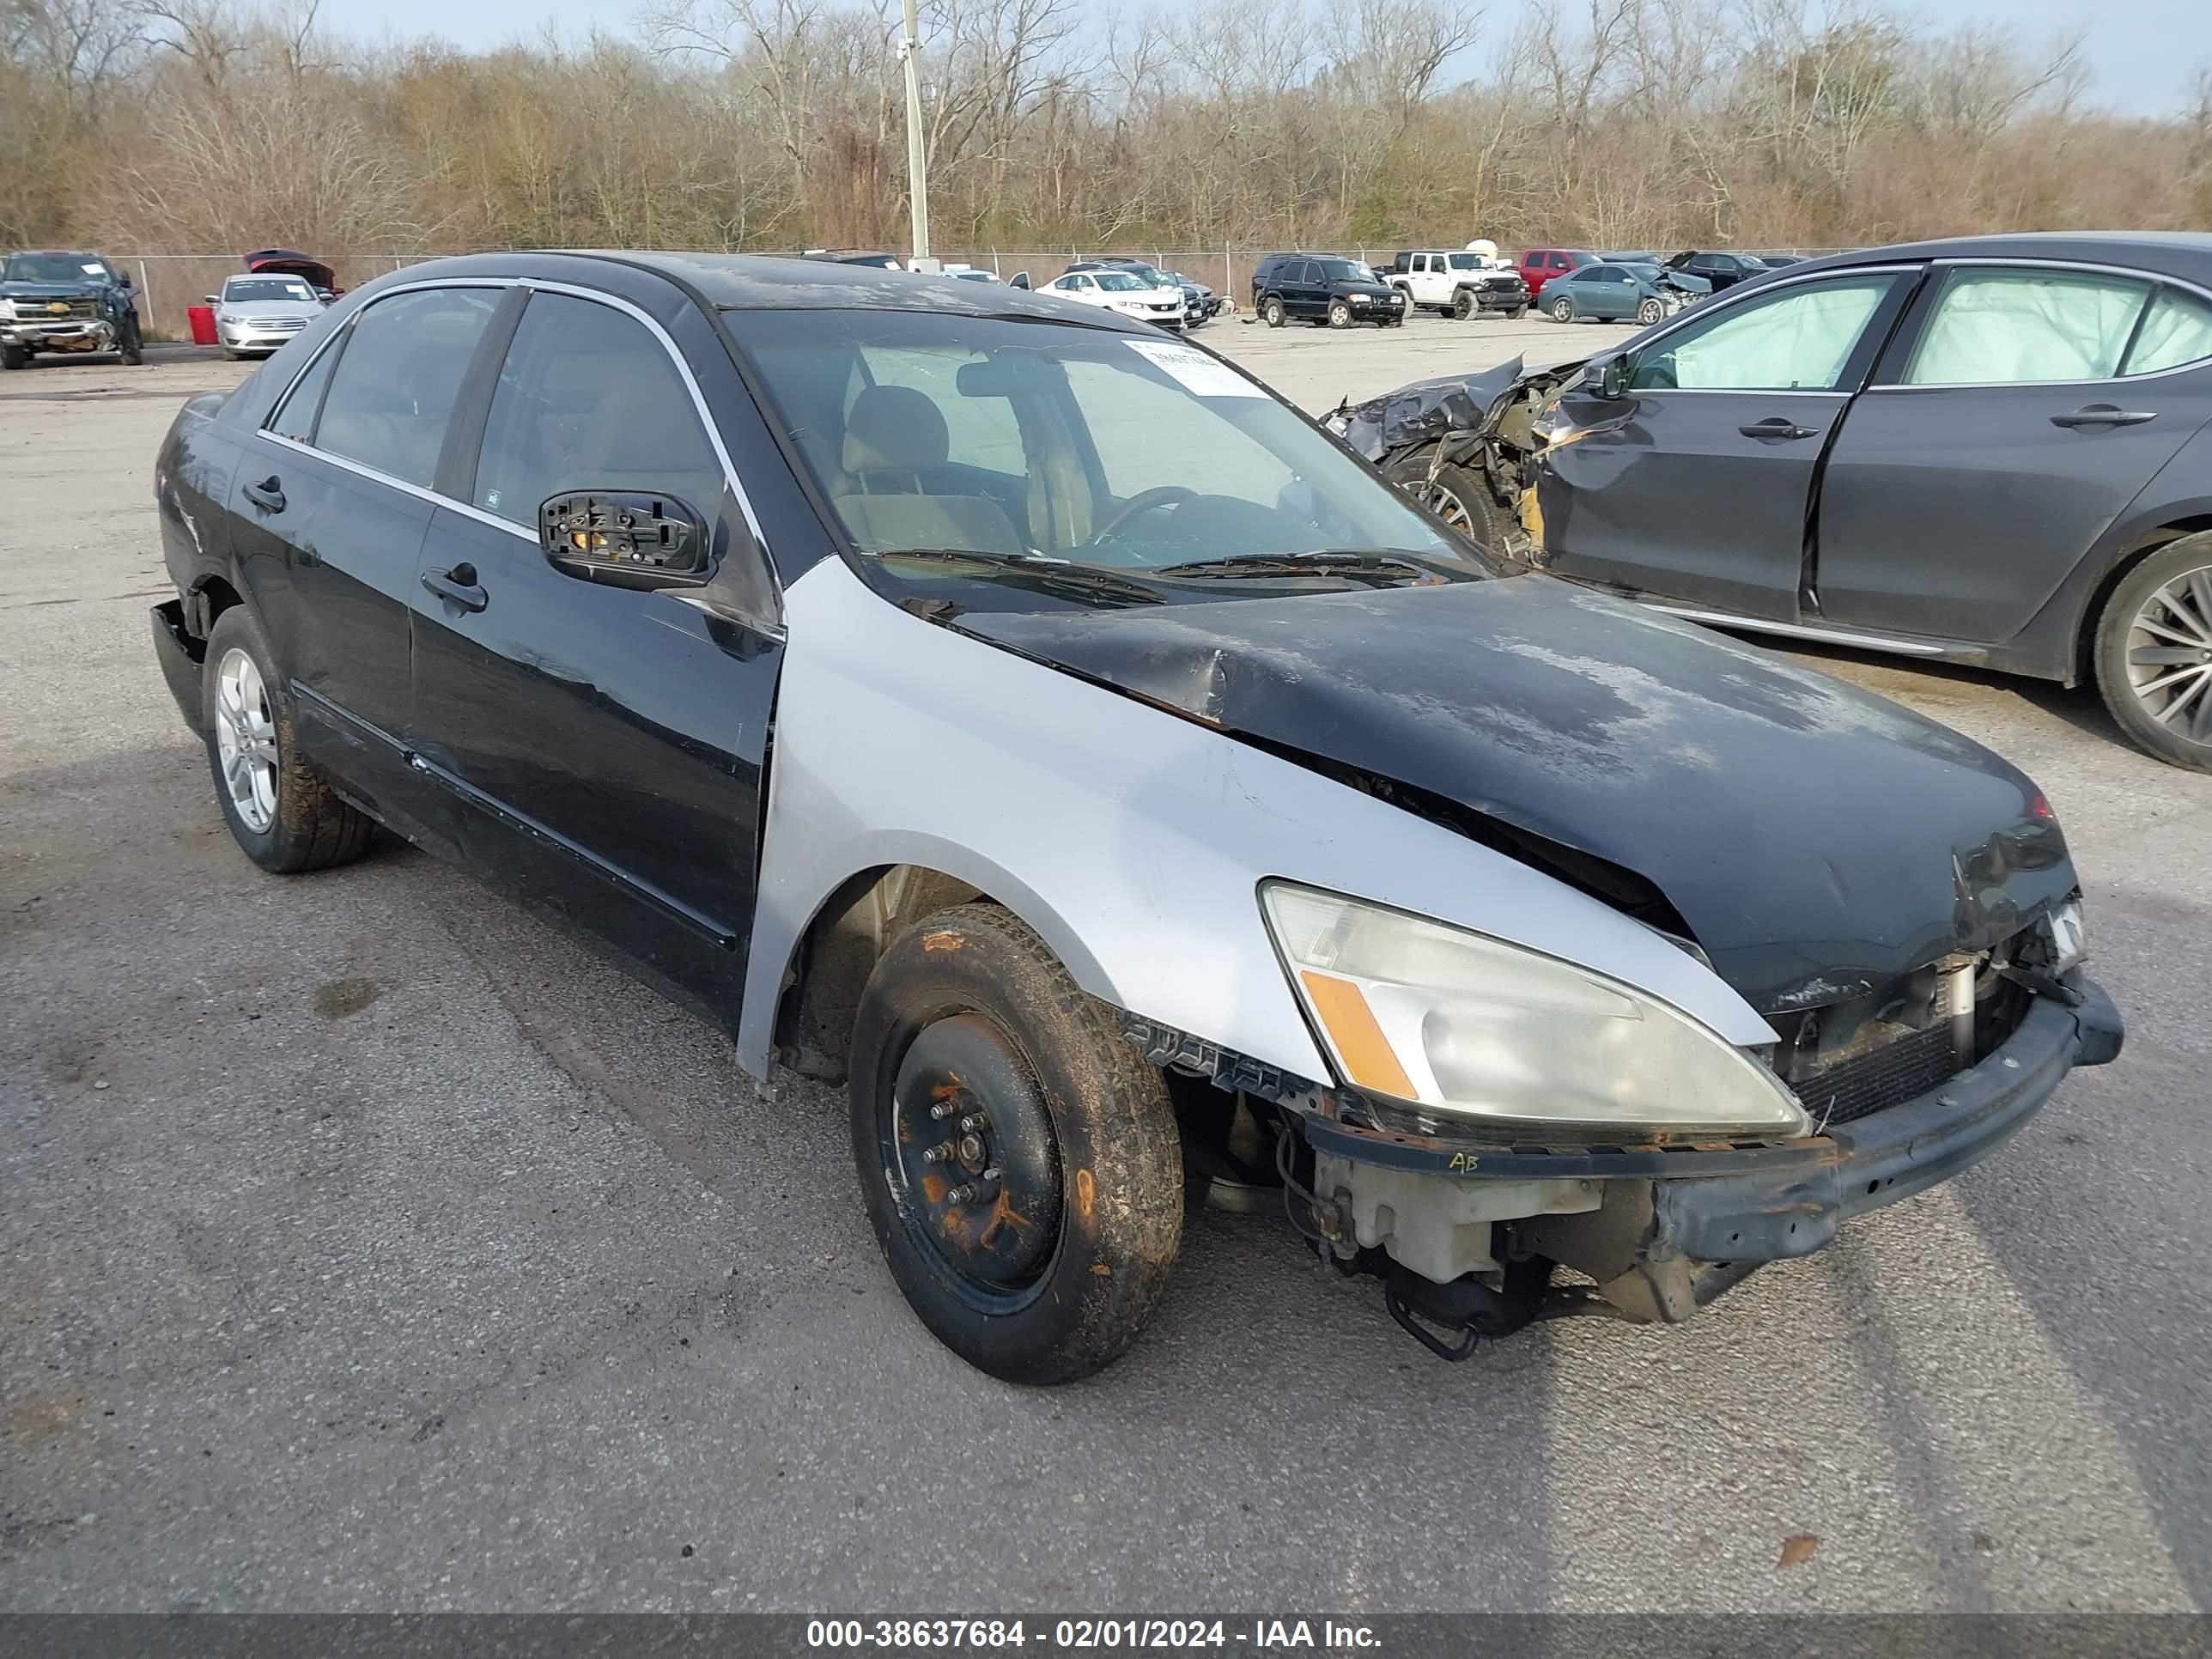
{"x":296,"y":419}
{"x":1794,"y":339}
{"x":393,"y":389}
{"x":2011,"y":327}
{"x":589,"y":399}
{"x":2177,"y":330}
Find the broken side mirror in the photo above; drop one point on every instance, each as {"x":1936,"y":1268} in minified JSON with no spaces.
{"x":633,"y":538}
{"x":1019,"y":279}
{"x":1614,"y":375}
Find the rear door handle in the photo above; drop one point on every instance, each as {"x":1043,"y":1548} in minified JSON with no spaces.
{"x":2105,"y":415}
{"x":1777,"y":427}
{"x":268,"y":495}
{"x":458,"y":586}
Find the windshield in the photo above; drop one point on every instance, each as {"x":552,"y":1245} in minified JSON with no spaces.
{"x":1465,"y":261}
{"x":1344,"y":270}
{"x":1012,"y":438}
{"x":1120,"y":282}
{"x":241,"y":289}
{"x":54,"y":268}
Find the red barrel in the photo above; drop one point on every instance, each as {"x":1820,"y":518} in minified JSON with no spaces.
{"x":203,"y":321}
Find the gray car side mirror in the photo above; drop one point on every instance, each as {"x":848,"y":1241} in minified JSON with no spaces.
{"x":1614,"y":375}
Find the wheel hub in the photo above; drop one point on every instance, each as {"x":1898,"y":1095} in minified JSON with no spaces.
{"x":974,"y":1161}
{"x":246,"y":739}
{"x":2169,"y":655}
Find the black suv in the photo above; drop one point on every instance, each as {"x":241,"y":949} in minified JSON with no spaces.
{"x":60,"y":301}
{"x":1327,"y":289}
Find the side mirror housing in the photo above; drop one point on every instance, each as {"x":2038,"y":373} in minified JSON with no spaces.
{"x":1613,"y":377}
{"x":1019,"y":279}
{"x":210,"y":300}
{"x":634,"y":538}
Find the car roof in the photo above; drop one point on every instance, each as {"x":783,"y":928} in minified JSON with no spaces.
{"x":2186,"y":254}
{"x":752,"y":281}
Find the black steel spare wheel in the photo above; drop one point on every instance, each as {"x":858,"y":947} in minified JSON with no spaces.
{"x":1020,"y":1161}
{"x":969,"y":1148}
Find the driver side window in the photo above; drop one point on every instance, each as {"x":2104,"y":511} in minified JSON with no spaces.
{"x":1798,"y":339}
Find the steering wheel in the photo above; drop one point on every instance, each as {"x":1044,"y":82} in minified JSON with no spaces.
{"x":1146,"y":501}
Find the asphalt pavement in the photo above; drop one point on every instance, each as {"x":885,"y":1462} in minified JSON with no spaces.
{"x":365,"y":1244}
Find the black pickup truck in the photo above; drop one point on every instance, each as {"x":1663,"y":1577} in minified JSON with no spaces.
{"x":62,"y":300}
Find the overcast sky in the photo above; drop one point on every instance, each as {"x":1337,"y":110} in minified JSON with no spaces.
{"x":2142,"y":52}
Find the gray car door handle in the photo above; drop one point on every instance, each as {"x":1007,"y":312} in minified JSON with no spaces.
{"x":1777,"y":428}
{"x":2105,"y":415}
{"x":458,"y":586}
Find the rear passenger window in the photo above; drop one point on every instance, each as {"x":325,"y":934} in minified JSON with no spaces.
{"x":296,"y":418}
{"x":2012,"y":327}
{"x":394,"y":386}
{"x":590,"y":399}
{"x":2177,"y":330}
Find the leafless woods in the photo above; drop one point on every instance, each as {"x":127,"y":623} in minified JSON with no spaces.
{"x":204,"y":124}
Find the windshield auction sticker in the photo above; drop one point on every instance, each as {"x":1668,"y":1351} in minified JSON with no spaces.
{"x":1195,"y":370}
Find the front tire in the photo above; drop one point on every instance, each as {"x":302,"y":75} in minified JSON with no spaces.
{"x":283,"y":814}
{"x":1650,"y":312}
{"x":1462,"y":306}
{"x":1563,"y":311}
{"x":974,"y":1051}
{"x":13,"y":357}
{"x":1462,"y":499}
{"x":1271,"y":311}
{"x":2154,"y":654}
{"x":132,"y":348}
{"x":1340,"y":313}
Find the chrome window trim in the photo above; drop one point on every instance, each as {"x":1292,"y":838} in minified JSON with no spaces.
{"x":2155,"y":279}
{"x":1705,"y":309}
{"x":541,"y":285}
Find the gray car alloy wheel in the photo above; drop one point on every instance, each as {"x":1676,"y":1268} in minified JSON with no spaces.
{"x":2169,"y":648}
{"x":245,"y":738}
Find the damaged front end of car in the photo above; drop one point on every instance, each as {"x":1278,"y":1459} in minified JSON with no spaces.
{"x":1464,"y":446}
{"x":1510,"y":1134}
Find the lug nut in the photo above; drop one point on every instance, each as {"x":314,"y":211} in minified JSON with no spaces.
{"x":943,"y":1109}
{"x":975,"y":1120}
{"x":937,"y":1154}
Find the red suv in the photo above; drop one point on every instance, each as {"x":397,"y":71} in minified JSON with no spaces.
{"x":1539,"y":265}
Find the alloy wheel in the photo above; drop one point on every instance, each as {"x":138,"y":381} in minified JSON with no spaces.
{"x":2169,"y":660}
{"x":246,"y":740}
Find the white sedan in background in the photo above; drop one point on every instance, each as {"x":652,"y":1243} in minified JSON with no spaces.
{"x":1117,"y":290}
{"x":254,"y":315}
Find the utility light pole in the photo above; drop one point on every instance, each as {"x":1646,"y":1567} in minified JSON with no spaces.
{"x":917,"y":165}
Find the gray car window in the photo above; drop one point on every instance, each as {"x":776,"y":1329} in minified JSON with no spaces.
{"x":589,"y":399}
{"x":394,"y":387}
{"x":2012,"y":326}
{"x":296,"y":418}
{"x":2177,"y":330}
{"x":1798,"y":338}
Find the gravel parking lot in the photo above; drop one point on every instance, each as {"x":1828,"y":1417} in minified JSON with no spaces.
{"x":365,"y":1244}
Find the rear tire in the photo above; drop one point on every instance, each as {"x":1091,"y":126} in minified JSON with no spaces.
{"x":1563,"y":311}
{"x":1051,"y":1273}
{"x":1271,"y":311}
{"x":282,"y":813}
{"x":2154,"y":654}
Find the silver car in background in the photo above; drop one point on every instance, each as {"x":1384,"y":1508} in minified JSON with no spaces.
{"x":258,"y":313}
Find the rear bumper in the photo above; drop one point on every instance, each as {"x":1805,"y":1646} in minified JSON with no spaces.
{"x":180,"y":656}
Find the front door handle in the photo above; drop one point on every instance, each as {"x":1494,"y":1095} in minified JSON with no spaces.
{"x":2105,"y":415}
{"x":268,"y":495}
{"x":458,"y":586}
{"x":1777,"y":427}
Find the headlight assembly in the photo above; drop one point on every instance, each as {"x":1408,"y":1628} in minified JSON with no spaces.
{"x":1455,"y":1022}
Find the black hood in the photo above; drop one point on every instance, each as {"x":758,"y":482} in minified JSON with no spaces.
{"x":1817,"y":841}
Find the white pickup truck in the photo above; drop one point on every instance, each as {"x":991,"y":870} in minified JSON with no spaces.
{"x":1459,"y":282}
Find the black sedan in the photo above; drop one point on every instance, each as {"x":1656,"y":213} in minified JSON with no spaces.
{"x":1996,"y":450}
